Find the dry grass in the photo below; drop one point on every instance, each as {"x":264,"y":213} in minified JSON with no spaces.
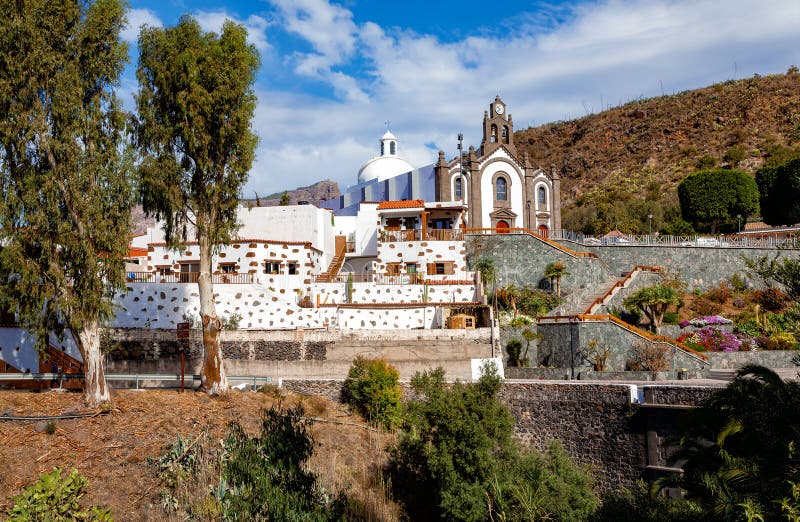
{"x":112,"y":450}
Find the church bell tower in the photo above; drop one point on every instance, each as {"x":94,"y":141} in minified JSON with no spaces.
{"x":498,"y":128}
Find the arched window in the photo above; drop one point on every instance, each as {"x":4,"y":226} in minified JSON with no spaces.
{"x":542,"y":197}
{"x":458,"y":189}
{"x":392,"y":148}
{"x":501,"y":189}
{"x":383,"y":148}
{"x":493,"y":137}
{"x":505,"y":134}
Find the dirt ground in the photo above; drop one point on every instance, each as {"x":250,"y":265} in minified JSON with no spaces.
{"x":112,"y":449}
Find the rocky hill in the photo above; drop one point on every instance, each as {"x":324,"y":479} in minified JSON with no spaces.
{"x":313,"y":194}
{"x":652,"y":144}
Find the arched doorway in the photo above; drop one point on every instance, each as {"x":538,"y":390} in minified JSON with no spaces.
{"x":502,"y":227}
{"x":543,"y":230}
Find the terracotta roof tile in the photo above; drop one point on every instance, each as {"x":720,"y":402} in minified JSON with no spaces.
{"x":405,"y":203}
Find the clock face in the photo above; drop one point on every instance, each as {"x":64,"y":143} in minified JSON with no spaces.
{"x":498,"y":109}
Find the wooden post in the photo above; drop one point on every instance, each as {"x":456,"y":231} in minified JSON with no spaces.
{"x":182,"y":333}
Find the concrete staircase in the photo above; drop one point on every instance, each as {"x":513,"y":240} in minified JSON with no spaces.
{"x":585,"y":305}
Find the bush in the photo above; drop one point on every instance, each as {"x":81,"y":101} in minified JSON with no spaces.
{"x":670,"y":318}
{"x":704,"y":306}
{"x":719,"y":293}
{"x":56,"y":499}
{"x":456,"y":459}
{"x":735,"y":154}
{"x":772,"y":299}
{"x":514,"y":350}
{"x":706,"y":162}
{"x":778,"y":341}
{"x":266,"y":478}
{"x":738,"y":283}
{"x":639,"y":506}
{"x":647,"y":356}
{"x":372,"y":389}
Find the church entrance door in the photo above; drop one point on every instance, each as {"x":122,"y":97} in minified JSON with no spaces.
{"x":543,"y":230}
{"x":502,"y":227}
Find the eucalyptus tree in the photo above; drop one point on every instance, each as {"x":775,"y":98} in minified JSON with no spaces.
{"x":66,"y":189}
{"x":195,"y":106}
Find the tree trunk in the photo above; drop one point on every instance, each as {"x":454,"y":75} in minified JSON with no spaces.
{"x":212,"y":376}
{"x":96,"y":388}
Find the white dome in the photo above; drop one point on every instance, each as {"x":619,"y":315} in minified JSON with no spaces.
{"x":383,"y":167}
{"x":387,"y":165}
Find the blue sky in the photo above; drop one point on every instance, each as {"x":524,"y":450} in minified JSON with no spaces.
{"x":333,"y":72}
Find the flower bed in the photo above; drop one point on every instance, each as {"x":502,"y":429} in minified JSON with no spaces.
{"x":713,"y":339}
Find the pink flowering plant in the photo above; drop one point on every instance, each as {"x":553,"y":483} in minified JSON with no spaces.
{"x":716,"y":340}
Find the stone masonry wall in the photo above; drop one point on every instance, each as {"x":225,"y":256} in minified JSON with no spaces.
{"x":521,"y":259}
{"x":700,"y":267}
{"x":598,"y":424}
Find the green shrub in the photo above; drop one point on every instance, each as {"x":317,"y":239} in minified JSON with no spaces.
{"x":456,"y":459}
{"x":639,"y":506}
{"x":706,"y":162}
{"x":735,"y":154}
{"x":55,"y":499}
{"x":670,"y":318}
{"x":372,"y":389}
{"x":514,"y":350}
{"x":266,"y":477}
{"x":738,"y":283}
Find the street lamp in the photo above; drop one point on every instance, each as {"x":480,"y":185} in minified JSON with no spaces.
{"x":650,"y":225}
{"x":739,"y":222}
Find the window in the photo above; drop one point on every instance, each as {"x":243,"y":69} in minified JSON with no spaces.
{"x":383,"y":148}
{"x":493,"y":136}
{"x":392,"y":148}
{"x":458,"y":189}
{"x":505,"y":134}
{"x":227,"y":268}
{"x":292,"y":268}
{"x":411,"y":268}
{"x":164,"y":270}
{"x":442,"y":223}
{"x":542,"y":197}
{"x":189,"y":272}
{"x":272,"y":267}
{"x":439,"y":268}
{"x":501,"y":189}
{"x":393,"y":269}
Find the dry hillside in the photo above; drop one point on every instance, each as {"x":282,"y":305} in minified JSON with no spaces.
{"x":660,"y":140}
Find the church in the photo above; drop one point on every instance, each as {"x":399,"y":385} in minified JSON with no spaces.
{"x":498,"y":188}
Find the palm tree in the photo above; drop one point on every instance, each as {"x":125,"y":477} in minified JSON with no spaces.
{"x":554,"y":272}
{"x":740,"y":447}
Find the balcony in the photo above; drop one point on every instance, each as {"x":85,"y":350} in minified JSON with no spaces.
{"x":431,"y":234}
{"x":189,"y":277}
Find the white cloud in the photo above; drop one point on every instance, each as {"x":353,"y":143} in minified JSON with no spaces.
{"x":597,"y":54}
{"x":136,"y":19}
{"x":256,"y":26}
{"x":327,"y":27}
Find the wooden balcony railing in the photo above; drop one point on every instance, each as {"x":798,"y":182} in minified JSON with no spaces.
{"x":189,"y":277}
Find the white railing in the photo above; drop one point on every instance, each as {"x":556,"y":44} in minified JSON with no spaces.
{"x":721,"y":241}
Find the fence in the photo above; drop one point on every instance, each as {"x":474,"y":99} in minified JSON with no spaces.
{"x":188,"y":277}
{"x":136,"y":378}
{"x":399,"y":279}
{"x":431,"y":234}
{"x":720,"y":241}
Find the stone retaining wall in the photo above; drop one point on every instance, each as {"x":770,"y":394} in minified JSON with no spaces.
{"x":598,"y":424}
{"x":770,"y":359}
{"x":701,"y":267}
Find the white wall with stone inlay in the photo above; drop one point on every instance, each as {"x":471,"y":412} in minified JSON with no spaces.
{"x":370,"y":293}
{"x":163,"y":305}
{"x":422,"y":253}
